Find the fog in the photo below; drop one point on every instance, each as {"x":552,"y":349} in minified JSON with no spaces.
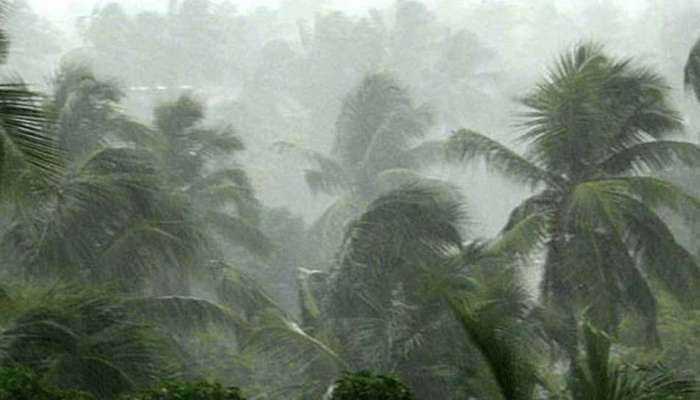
{"x":325,"y":200}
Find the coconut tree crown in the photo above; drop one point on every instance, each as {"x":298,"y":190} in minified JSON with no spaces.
{"x":595,"y":129}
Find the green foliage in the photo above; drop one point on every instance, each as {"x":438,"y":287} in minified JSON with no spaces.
{"x":377,"y":147}
{"x":494,"y":317}
{"x":364,"y":385}
{"x":86,"y":340}
{"x":197,"y":390}
{"x":595,"y":128}
{"x":24,"y":139}
{"x":692,"y":70}
{"x":23,"y":384}
{"x":597,"y":376}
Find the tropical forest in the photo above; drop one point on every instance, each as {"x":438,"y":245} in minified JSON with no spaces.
{"x":349,"y":200}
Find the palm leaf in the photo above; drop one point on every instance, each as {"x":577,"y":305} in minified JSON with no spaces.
{"x":414,"y":221}
{"x":424,"y":154}
{"x":240,"y":231}
{"x":283,"y":340}
{"x":185,"y":314}
{"x":472,"y":146}
{"x":596,"y":377}
{"x":24,"y":129}
{"x":692,"y":70}
{"x":328,"y":176}
{"x":652,"y":156}
{"x":493,"y":328}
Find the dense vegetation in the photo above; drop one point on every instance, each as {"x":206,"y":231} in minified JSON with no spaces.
{"x":142,"y":260}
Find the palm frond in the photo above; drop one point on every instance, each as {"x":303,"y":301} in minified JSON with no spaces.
{"x":184,"y":314}
{"x":691,"y":76}
{"x":4,"y":38}
{"x":493,"y":326}
{"x":652,"y":156}
{"x":659,"y":193}
{"x":377,"y":117}
{"x":309,"y":293}
{"x":283,"y":340}
{"x":25,"y":129}
{"x":661,"y":256}
{"x":72,"y":336}
{"x":596,"y":376}
{"x":327,"y":177}
{"x":239,"y":291}
{"x":424,"y":154}
{"x":591,"y":106}
{"x":240,"y":231}
{"x":527,"y":225}
{"x":471,"y":146}
{"x":414,"y":221}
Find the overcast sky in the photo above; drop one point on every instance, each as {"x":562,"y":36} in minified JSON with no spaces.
{"x":61,"y":8}
{"x":64,"y":12}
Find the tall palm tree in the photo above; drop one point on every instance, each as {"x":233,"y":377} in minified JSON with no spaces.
{"x":88,"y":113}
{"x":597,"y":376}
{"x":498,"y":325}
{"x":377,"y":148}
{"x":24,"y":139}
{"x":199,"y":165}
{"x":595,"y":129}
{"x":691,"y":76}
{"x":385,"y":306}
{"x":106,"y":217}
{"x":129,"y":208}
{"x":85,"y":339}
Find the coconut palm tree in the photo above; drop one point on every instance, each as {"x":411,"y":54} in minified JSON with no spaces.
{"x":106,"y":217}
{"x":199,"y":165}
{"x":377,"y":148}
{"x":130,"y":208}
{"x":595,"y":129}
{"x":24,"y":139}
{"x":498,"y":325}
{"x":691,"y":76}
{"x":84,"y":339}
{"x":385,"y":305}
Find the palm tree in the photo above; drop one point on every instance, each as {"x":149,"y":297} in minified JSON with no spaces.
{"x":377,"y":148}
{"x":199,"y":165}
{"x":494,"y":315}
{"x":596,"y":127}
{"x":597,"y":376}
{"x":106,"y":217}
{"x":24,"y":139}
{"x":385,"y":305}
{"x":136,"y":218}
{"x":84,"y":339}
{"x":691,"y":76}
{"x":499,"y":325}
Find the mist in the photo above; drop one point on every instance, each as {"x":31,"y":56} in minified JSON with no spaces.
{"x":334,"y":200}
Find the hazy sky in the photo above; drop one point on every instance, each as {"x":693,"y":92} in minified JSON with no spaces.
{"x":60,"y":10}
{"x":64,"y":12}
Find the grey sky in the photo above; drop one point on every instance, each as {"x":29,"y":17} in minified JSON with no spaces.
{"x":66,"y":10}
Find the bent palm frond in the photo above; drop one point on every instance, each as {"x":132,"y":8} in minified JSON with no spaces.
{"x":472,"y":146}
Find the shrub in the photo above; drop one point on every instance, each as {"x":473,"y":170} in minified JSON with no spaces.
{"x":364,"y":385}
{"x":198,"y":390}
{"x":23,"y":384}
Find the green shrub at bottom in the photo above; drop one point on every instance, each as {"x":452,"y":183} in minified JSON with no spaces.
{"x":364,"y":385}
{"x":23,"y":384}
{"x":197,"y":390}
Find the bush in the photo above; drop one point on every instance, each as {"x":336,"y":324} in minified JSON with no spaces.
{"x":366,"y":386}
{"x":198,"y":390}
{"x":23,"y":384}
